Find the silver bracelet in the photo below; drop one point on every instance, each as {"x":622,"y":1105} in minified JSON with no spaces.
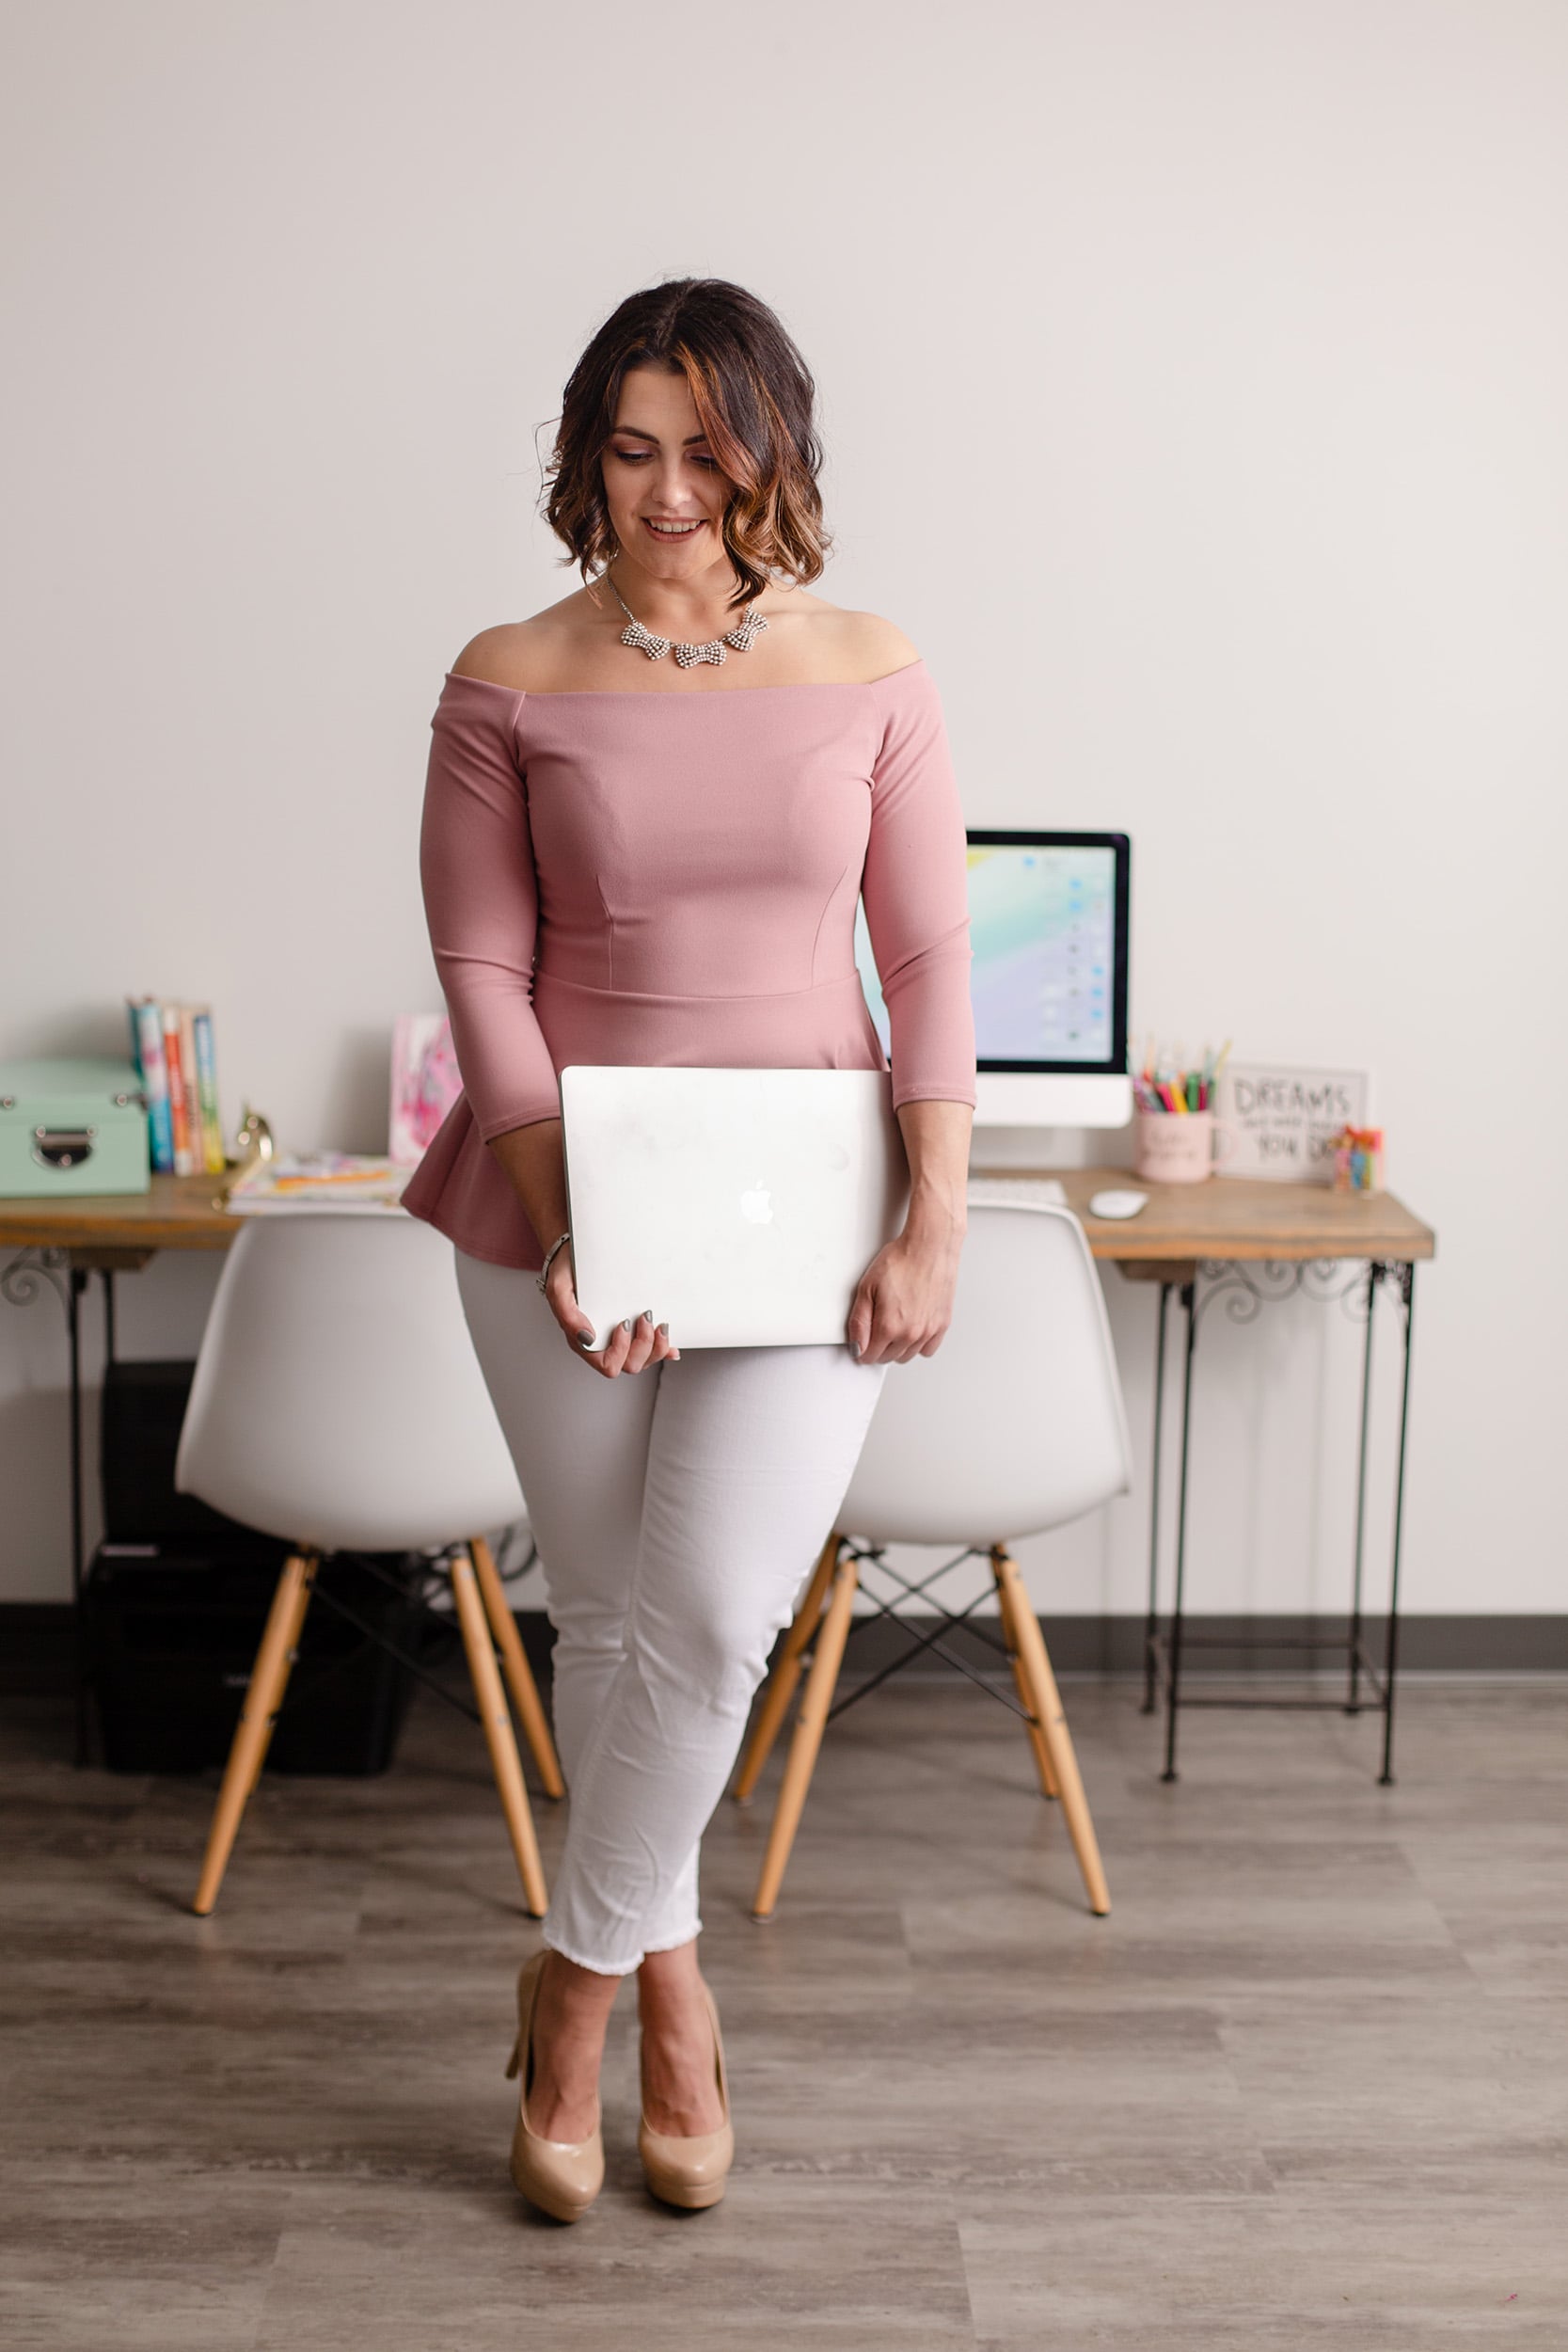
{"x":544,"y":1271}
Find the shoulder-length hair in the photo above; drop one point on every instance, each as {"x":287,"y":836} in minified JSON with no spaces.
{"x":754,"y":397}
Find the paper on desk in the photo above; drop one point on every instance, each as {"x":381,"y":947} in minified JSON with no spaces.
{"x":347,"y":1181}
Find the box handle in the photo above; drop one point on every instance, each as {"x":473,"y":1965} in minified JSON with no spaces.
{"x":62,"y":1147}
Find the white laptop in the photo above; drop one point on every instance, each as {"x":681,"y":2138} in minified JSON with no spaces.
{"x":741,"y":1205}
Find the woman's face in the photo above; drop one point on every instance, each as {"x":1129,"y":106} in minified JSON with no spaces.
{"x":662,"y":484}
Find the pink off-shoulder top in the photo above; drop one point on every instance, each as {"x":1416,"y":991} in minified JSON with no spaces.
{"x":671,"y":877}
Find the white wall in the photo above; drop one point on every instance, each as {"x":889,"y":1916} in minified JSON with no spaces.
{"x":1192,"y":375}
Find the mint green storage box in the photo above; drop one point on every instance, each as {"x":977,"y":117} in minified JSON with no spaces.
{"x":73,"y":1125}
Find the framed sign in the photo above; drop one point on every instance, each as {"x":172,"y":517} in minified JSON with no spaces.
{"x":1285,"y":1119}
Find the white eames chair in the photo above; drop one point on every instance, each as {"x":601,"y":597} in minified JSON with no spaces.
{"x":1014,"y":1426}
{"x":338,"y":1404}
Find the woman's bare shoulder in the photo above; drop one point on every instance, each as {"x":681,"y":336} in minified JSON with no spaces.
{"x":857,"y":649}
{"x":878,"y":645}
{"x":531,"y":655}
{"x":863,"y":647}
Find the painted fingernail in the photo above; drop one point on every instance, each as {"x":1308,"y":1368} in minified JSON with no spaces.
{"x":855,"y":1346}
{"x":585,"y":1338}
{"x":664,"y":1329}
{"x":626,"y":1326}
{"x":647,"y":1314}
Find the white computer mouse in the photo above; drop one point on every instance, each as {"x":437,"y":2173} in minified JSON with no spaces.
{"x":1117,"y":1204}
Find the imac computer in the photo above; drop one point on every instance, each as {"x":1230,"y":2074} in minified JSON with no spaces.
{"x":1049,"y":928}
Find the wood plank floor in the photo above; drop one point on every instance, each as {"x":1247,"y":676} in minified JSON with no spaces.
{"x":1306,"y":2085}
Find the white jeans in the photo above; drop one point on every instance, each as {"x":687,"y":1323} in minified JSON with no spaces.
{"x":678,"y":1511}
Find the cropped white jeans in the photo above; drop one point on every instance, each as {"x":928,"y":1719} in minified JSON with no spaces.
{"x":678,"y":1511}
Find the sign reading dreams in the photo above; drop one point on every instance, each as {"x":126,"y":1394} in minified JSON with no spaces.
{"x":1285,"y":1119}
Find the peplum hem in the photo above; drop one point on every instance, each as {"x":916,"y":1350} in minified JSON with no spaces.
{"x":462,"y":1189}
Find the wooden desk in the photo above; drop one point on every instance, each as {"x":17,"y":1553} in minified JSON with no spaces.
{"x":1236,"y":1218}
{"x":1232,"y":1237}
{"x":176,"y":1213}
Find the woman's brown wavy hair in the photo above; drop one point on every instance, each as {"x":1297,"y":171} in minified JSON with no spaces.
{"x":754,"y":397}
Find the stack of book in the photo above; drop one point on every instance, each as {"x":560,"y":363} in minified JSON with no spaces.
{"x":172,"y":1048}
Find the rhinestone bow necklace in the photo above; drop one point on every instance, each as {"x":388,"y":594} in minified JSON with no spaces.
{"x":742,"y":636}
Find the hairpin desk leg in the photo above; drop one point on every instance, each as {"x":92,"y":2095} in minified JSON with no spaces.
{"x":1406,"y":1279}
{"x":1152,"y":1625}
{"x":76,"y":1282}
{"x":1173,"y":1693}
{"x":1353,"y":1702}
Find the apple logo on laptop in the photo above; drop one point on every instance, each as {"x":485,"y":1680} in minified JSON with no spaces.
{"x":754,"y":1205}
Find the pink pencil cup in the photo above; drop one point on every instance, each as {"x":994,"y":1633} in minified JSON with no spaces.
{"x":1179,"y":1147}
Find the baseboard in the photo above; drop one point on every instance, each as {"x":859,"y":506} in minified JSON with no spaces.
{"x":36,"y":1645}
{"x":1231,"y":1645}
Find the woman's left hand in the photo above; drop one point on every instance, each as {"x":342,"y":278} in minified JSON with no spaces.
{"x":903,"y":1302}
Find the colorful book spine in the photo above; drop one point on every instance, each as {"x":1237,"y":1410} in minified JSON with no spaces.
{"x":190,"y":1081}
{"x":207,"y":1090}
{"x":179,"y":1109}
{"x":173,"y":1047}
{"x":147,"y":1031}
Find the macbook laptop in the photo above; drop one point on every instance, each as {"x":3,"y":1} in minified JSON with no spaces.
{"x":741,"y":1205}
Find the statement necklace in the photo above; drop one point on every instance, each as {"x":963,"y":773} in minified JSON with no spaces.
{"x":742,"y":636}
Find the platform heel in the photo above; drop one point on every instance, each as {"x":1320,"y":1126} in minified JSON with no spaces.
{"x":560,"y":2176}
{"x":692,"y":2171}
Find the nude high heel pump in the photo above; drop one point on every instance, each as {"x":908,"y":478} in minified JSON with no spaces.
{"x":562,"y":2176}
{"x":691,"y":2170}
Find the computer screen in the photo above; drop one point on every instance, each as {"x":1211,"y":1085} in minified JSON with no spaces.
{"x":1048,"y":924}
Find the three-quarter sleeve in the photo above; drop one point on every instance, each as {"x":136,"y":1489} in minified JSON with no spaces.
{"x":916,"y":891}
{"x":481,"y":905}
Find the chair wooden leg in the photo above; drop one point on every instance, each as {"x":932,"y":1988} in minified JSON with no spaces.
{"x":291,"y":1651}
{"x":1037,"y":1736}
{"x":263,"y":1696}
{"x":786,"y":1674}
{"x":809,"y":1726}
{"x":504,"y":1760}
{"x":1036,"y":1662}
{"x":515,"y":1665}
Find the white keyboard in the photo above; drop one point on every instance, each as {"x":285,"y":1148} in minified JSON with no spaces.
{"x":1003,"y":1189}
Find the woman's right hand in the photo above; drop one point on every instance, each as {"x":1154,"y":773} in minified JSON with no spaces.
{"x":628,"y":1349}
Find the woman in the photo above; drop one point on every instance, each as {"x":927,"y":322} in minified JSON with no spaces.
{"x":636,"y":850}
